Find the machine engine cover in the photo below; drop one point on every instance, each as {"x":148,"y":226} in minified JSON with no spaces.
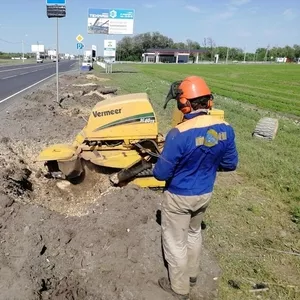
{"x":123,"y":117}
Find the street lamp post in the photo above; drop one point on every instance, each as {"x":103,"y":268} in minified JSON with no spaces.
{"x":23,"y":50}
{"x":227,"y":53}
{"x":23,"y":54}
{"x":245,"y":53}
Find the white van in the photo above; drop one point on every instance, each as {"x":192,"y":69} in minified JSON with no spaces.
{"x":87,"y":62}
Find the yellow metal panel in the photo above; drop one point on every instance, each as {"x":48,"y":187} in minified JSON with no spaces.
{"x":79,"y":138}
{"x":148,"y":182}
{"x":123,"y":117}
{"x":112,"y":159}
{"x":57,"y":152}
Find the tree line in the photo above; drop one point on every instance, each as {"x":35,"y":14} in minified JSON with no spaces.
{"x":132,"y":48}
{"x":9,"y":55}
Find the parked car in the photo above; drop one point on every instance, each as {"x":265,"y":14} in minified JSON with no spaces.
{"x":87,"y":62}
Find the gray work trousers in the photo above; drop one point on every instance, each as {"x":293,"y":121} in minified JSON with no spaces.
{"x":181,"y":218}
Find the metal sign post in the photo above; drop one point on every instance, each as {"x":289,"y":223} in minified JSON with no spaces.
{"x":80,"y":46}
{"x":57,"y":58}
{"x":56,"y":9}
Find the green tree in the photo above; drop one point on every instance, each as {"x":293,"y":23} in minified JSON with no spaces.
{"x":132,"y":48}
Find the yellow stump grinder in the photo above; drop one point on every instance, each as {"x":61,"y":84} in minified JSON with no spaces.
{"x":122,"y":135}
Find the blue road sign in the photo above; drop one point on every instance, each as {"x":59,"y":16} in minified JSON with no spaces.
{"x":56,"y":2}
{"x":80,"y":46}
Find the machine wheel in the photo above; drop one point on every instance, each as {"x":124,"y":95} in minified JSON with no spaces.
{"x":266,"y":128}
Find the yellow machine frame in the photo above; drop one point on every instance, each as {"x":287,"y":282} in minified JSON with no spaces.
{"x":121,"y":132}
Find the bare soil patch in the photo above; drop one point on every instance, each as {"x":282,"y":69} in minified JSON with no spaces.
{"x":87,"y":241}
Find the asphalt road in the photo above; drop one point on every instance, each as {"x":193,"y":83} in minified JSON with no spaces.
{"x":15,"y":79}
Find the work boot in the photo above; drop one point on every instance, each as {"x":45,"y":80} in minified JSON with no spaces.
{"x":164,"y":283}
{"x":193,"y":281}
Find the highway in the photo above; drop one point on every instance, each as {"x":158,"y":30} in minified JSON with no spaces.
{"x":15,"y":79}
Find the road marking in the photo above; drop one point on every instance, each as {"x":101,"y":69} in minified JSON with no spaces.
{"x":19,"y":92}
{"x":25,"y":73}
{"x":18,"y":69}
{"x":9,"y":76}
{"x":36,"y":66}
{"x":18,"y":75}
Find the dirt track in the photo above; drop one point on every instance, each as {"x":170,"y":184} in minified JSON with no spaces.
{"x":75,"y":242}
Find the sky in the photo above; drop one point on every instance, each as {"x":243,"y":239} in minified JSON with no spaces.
{"x":245,"y":24}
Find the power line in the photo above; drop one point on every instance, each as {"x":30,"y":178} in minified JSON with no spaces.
{"x":10,"y":42}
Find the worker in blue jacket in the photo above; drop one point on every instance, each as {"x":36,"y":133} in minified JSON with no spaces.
{"x":193,"y":153}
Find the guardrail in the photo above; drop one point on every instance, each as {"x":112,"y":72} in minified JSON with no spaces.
{"x":106,"y":66}
{"x":101,"y":64}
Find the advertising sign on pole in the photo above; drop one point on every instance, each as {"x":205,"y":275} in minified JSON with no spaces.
{"x":110,"y":48}
{"x":110,"y":21}
{"x":37,"y":48}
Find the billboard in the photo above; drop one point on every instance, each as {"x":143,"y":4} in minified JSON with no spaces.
{"x":37,"y":48}
{"x":110,"y":21}
{"x":88,"y":53}
{"x":110,"y":48}
{"x":52,"y":52}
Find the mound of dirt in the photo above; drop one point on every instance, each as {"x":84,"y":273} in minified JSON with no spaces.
{"x":14,"y":172}
{"x":114,"y":252}
{"x":62,"y":241}
{"x":42,"y":121}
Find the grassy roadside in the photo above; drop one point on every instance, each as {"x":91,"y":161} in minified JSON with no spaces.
{"x":272,"y":87}
{"x":250,"y":218}
{"x":16,"y":61}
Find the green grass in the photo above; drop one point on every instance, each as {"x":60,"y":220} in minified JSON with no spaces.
{"x":273,"y":87}
{"x":255,"y":210}
{"x":16,"y":61}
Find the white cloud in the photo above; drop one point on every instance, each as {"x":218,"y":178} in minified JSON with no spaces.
{"x":254,"y":9}
{"x":289,"y":14}
{"x":225,"y":15}
{"x":239,"y":2}
{"x":192,"y":8}
{"x":148,"y":5}
{"x":272,"y":32}
{"x":230,"y":9}
{"x":244,"y":33}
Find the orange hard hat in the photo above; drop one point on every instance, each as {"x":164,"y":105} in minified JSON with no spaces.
{"x":189,"y":89}
{"x":193,"y":87}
